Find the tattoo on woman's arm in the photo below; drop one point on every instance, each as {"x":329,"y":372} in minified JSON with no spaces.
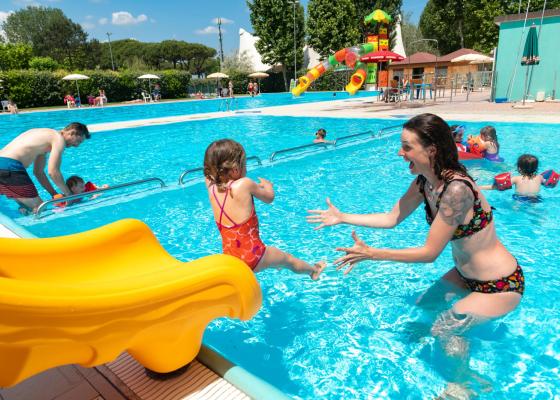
{"x":455,"y":203}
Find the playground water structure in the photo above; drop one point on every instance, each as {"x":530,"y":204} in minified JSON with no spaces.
{"x":359,"y":336}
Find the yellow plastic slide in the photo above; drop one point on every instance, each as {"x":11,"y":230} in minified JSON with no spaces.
{"x":85,"y":298}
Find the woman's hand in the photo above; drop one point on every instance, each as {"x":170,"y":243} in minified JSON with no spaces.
{"x":355,"y":254}
{"x":328,"y":217}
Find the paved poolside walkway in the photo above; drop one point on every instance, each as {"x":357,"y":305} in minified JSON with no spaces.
{"x":477,"y":108}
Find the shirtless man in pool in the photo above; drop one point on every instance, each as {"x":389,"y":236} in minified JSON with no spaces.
{"x":32,"y":147}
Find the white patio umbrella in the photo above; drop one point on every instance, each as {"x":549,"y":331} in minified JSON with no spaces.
{"x":258,"y":76}
{"x":473,"y":58}
{"x":75,"y":77}
{"x":217,"y":75}
{"x":149,"y":77}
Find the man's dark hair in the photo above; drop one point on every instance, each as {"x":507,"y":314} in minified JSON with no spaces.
{"x":78,"y":128}
{"x":73,"y":181}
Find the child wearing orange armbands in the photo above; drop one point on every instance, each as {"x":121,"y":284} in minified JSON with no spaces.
{"x":77,"y":185}
{"x":528,"y":184}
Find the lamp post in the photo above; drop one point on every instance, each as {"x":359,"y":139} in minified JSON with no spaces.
{"x":435,"y":66}
{"x":111,"y":50}
{"x":294,"y":3}
{"x":221,"y":42}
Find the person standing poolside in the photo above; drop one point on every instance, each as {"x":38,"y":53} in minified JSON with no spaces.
{"x":32,"y":147}
{"x":486,"y":274}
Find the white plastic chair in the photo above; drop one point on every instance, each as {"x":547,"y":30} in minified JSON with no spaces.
{"x":4,"y":105}
{"x":147,"y":98}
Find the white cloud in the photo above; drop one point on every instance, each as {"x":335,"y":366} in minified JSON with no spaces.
{"x":25,"y":3}
{"x":209,"y":30}
{"x":87,"y":25}
{"x":126,"y":18}
{"x":225,"y":21}
{"x":103,"y":21}
{"x":89,"y":17}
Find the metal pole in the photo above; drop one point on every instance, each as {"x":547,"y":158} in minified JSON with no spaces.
{"x":295,"y":58}
{"x":111,"y":50}
{"x":221,"y":44}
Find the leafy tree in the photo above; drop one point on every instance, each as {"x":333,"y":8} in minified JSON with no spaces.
{"x":201,"y":59}
{"x":175,"y":51}
{"x":462,"y":23}
{"x":273,"y":23}
{"x":15,"y":56}
{"x":412,"y":37}
{"x":49,"y":31}
{"x":237,"y":63}
{"x":43,"y":64}
{"x":331,"y":26}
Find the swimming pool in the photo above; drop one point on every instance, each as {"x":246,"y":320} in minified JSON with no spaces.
{"x":355,"y":336}
{"x":13,"y":124}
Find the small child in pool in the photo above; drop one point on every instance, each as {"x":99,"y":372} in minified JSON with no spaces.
{"x":527,"y":184}
{"x":486,"y":144}
{"x":231,"y":195}
{"x":77,"y":185}
{"x":458,"y":131}
{"x":320,"y":136}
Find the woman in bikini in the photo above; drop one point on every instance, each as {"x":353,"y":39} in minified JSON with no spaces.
{"x":231,"y":195}
{"x":485,"y":272}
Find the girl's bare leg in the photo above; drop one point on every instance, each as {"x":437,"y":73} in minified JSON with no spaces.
{"x":274,"y":257}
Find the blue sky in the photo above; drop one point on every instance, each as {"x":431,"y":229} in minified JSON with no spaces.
{"x":154,"y":21}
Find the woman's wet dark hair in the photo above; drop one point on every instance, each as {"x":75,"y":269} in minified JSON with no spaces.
{"x":528,"y":165}
{"x":434,"y":131}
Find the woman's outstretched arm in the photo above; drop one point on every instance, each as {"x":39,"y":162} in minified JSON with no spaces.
{"x":402,"y":209}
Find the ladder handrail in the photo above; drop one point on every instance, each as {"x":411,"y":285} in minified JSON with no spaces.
{"x":370,"y":132}
{"x":44,"y":204}
{"x":389,"y":128}
{"x":273,"y":155}
{"x":189,"y":171}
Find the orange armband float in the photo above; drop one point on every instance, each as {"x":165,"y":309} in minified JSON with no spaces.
{"x":62,"y":203}
{"x":503,"y":181}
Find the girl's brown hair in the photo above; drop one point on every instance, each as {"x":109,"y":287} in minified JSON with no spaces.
{"x":490,"y":133}
{"x":221,"y":157}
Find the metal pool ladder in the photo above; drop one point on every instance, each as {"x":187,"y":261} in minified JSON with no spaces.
{"x":93,"y":192}
{"x":190,"y":171}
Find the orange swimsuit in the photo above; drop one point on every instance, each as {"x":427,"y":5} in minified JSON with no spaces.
{"x":240,"y":240}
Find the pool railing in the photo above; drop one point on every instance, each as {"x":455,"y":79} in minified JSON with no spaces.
{"x":190,"y":171}
{"x":78,"y":196}
{"x":353,"y":137}
{"x":389,"y":129}
{"x":291,"y":149}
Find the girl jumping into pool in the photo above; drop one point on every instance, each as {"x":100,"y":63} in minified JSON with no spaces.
{"x":231,"y":195}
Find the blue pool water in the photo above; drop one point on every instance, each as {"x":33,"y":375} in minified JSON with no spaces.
{"x":14,"y":124}
{"x":358,"y":336}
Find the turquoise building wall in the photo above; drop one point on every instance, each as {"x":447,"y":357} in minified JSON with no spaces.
{"x":541,"y":76}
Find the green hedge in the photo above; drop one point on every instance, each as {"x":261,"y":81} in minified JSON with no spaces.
{"x":32,"y":88}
